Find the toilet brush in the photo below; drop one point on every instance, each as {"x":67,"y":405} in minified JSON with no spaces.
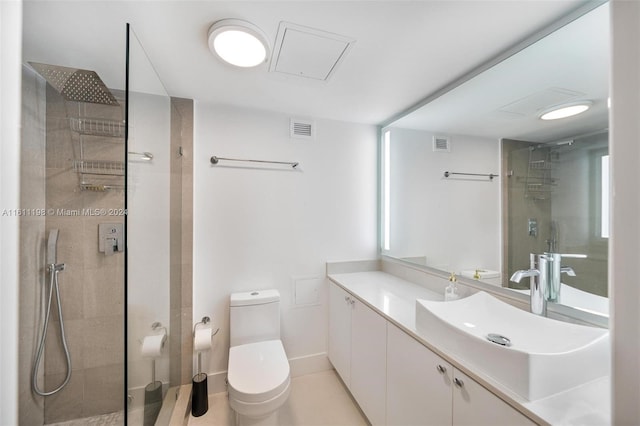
{"x":199,"y":393}
{"x":152,"y":398}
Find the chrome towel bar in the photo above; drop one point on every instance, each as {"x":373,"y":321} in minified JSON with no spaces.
{"x":490,"y":175}
{"x":215,"y":160}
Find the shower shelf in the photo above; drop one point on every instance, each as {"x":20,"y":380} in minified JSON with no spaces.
{"x":99,"y":167}
{"x":541,"y":165}
{"x":99,"y":187}
{"x":539,"y":183}
{"x":97,"y":127}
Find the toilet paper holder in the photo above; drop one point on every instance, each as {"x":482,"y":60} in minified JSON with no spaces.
{"x":155,"y":326}
{"x":204,"y":321}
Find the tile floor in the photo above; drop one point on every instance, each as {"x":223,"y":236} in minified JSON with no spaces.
{"x":112,"y":419}
{"x":318,"y":399}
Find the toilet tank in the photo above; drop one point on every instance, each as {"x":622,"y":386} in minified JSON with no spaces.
{"x":254,"y":317}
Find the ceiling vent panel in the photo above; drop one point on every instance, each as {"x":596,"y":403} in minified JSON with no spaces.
{"x":534,"y":103}
{"x":302,"y":129}
{"x":307,"y":52}
{"x":441,"y":144}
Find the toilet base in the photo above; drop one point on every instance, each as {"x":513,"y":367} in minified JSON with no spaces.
{"x":268,"y":420}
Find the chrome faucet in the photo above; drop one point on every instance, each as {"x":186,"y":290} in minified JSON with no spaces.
{"x":544,"y":272}
{"x":536,"y":274}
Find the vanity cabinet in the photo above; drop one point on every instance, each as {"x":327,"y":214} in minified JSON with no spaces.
{"x":474,"y":405}
{"x":340,"y":307}
{"x":424,"y":389}
{"x":398,"y":381}
{"x":357,"y":350}
{"x":419,"y":383}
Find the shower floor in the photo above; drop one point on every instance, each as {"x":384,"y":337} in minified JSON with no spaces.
{"x":111,"y":419}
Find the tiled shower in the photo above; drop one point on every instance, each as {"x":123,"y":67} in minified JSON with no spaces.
{"x":79,"y":171}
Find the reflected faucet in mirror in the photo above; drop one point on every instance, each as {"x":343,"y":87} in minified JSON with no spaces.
{"x":545,"y":273}
{"x":546,"y":170}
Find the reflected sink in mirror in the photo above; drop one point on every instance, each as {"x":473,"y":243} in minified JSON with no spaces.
{"x":541,"y":357}
{"x":489,"y":125}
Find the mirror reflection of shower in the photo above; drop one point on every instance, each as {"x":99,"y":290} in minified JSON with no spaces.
{"x":561,"y":187}
{"x":53,"y":268}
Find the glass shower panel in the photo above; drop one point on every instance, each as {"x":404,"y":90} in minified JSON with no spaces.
{"x":71,"y":293}
{"x":149,"y":331}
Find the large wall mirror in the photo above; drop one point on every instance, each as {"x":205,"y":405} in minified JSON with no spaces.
{"x":475,"y":180}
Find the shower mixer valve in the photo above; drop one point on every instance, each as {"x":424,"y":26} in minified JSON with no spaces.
{"x":110,"y":238}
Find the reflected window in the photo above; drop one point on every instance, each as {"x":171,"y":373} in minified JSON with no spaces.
{"x":386,"y":216}
{"x":604,"y":197}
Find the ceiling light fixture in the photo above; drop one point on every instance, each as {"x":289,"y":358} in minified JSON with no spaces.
{"x":238,"y":43}
{"x":564,"y":111}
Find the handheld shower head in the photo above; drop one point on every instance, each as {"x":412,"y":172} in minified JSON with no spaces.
{"x":52,"y":246}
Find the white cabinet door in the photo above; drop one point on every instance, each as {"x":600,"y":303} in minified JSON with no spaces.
{"x":475,"y":405}
{"x":340,"y":307}
{"x":369,"y":361}
{"x":418,"y":383}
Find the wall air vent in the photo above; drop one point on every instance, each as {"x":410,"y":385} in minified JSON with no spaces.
{"x":303,"y":129}
{"x":441,"y":144}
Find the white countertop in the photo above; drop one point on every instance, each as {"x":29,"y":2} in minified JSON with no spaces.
{"x":395,"y":298}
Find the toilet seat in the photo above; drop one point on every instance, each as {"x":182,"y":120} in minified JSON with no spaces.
{"x":258,"y":372}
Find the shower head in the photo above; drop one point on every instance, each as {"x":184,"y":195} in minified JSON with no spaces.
{"x":76,"y":84}
{"x":52,"y":243}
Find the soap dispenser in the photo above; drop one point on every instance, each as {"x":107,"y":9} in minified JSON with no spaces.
{"x":451,"y":292}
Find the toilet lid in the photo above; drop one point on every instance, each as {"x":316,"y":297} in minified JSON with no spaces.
{"x":258,"y":371}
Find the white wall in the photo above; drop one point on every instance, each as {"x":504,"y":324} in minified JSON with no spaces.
{"x":424,"y":203}
{"x":624,"y":246}
{"x":10,"y":85}
{"x":258,"y":229}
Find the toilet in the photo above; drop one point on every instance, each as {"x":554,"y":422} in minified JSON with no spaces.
{"x":258,"y":374}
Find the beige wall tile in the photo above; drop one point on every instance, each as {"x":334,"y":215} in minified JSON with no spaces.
{"x":187,"y":281}
{"x":104,"y":341}
{"x":62,"y":189}
{"x":55,"y":360}
{"x":104,"y":293}
{"x":66,"y":404}
{"x":32,"y":230}
{"x":103,"y":390}
{"x":71,"y":285}
{"x":187,"y":346}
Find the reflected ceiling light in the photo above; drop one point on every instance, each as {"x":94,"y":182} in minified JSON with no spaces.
{"x":564,"y":111}
{"x":238,"y":43}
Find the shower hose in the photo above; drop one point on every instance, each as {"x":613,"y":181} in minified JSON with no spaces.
{"x":53,"y":284}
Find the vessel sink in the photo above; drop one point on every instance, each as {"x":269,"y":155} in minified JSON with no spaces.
{"x":532,"y":355}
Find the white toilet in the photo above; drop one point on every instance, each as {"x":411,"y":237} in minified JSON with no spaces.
{"x":258,"y":373}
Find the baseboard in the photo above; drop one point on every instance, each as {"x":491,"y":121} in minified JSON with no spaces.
{"x":309,"y":364}
{"x":136,"y":395}
{"x":217,"y":382}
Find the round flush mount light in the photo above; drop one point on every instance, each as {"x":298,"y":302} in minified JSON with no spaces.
{"x":238,"y":43}
{"x":564,"y":111}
